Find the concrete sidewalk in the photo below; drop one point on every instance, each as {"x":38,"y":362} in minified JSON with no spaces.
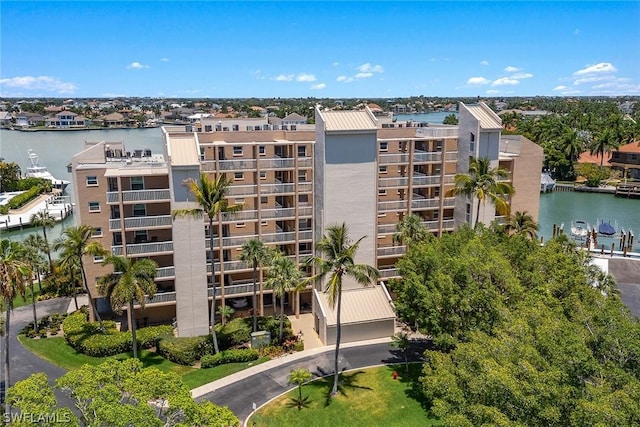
{"x":285,"y":360}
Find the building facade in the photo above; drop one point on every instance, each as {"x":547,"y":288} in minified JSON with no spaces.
{"x":292,"y":185}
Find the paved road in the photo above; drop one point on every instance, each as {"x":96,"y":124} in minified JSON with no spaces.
{"x":262,"y":387}
{"x":24,"y":363}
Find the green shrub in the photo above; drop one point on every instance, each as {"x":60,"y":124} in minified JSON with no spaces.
{"x":23,"y":198}
{"x":234,"y":333}
{"x":229,"y":356}
{"x":27,"y":183}
{"x":147,"y":336}
{"x":184,"y":351}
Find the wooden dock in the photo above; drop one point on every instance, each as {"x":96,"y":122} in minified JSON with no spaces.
{"x":58,"y":206}
{"x":630,"y":191}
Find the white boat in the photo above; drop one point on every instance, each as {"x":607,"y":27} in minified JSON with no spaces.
{"x":36,"y":170}
{"x":546,"y":183}
{"x":579,"y":229}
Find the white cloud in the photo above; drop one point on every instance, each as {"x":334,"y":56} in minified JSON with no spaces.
{"x":511,"y":69}
{"x":561,"y":87}
{"x":520,"y":76}
{"x":363,"y":75}
{"x":344,"y":79}
{"x":477,"y":81}
{"x":46,"y":83}
{"x":484,"y":62}
{"x":303,"y":77}
{"x":284,"y":77}
{"x":318,"y":86}
{"x":136,"y":66}
{"x":505,"y":81}
{"x":592,"y":79}
{"x":492,"y":91}
{"x":368,"y":68}
{"x":602,"y":67}
{"x":164,"y":59}
{"x":335,"y":64}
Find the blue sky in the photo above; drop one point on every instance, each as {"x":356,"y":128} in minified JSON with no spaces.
{"x":318,"y":49}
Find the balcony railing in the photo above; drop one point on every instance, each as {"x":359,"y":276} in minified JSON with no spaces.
{"x":305,"y":162}
{"x":165,"y":272}
{"x":389,"y":159}
{"x":387,"y":228}
{"x":144,"y":248}
{"x":161,"y":297}
{"x":139,"y":196}
{"x":232,"y":290}
{"x":143,"y":222}
{"x":448,"y":224}
{"x":393,"y":182}
{"x":419,"y":179}
{"x":242,"y":190}
{"x":451,"y":156}
{"x":276,"y":163}
{"x":278,"y":213}
{"x":305,"y":210}
{"x":305,"y":187}
{"x":277,"y":188}
{"x":425,"y":156}
{"x":436,"y":132}
{"x":392,"y":205}
{"x":391,"y":250}
{"x":421,"y":202}
{"x":387,"y":273}
{"x":449,"y":202}
{"x":229,"y":165}
{"x":240,"y":216}
{"x":279,"y":237}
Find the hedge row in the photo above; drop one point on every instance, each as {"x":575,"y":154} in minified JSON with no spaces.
{"x":87,"y":338}
{"x":24,"y":198}
{"x":228,"y":356}
{"x":184,"y":351}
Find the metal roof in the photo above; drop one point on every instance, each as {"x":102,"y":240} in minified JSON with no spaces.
{"x":359,"y":305}
{"x":487,"y":118}
{"x":183,"y":150}
{"x":348,"y":120}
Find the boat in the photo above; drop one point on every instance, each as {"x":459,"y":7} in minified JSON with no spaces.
{"x":37,"y":170}
{"x":606,"y":229}
{"x":546,"y":183}
{"x":579,"y":229}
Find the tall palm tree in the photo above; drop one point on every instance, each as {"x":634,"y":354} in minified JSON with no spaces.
{"x":604,"y":143}
{"x":483,"y":183}
{"x":283,"y":276}
{"x":69,"y":265}
{"x":337,"y":262}
{"x":210,"y":197}
{"x":522,"y":223}
{"x":129,"y":283}
{"x":45,"y":220}
{"x":572,"y":143}
{"x":36,"y":263}
{"x":255,"y":253}
{"x":37,"y":243}
{"x":410,"y":230}
{"x":76,"y":242}
{"x":14,"y":274}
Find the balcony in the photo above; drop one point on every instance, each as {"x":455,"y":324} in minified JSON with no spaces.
{"x":421,"y":179}
{"x":136,"y":196}
{"x":143,"y":222}
{"x":305,"y":211}
{"x":448,"y":224}
{"x":305,"y":162}
{"x":420,"y":156}
{"x":289,"y":236}
{"x":387,"y":228}
{"x":277,"y":188}
{"x":392,"y":205}
{"x":242,"y":190}
{"x":237,"y":240}
{"x":449,"y":202}
{"x":161,"y":297}
{"x":305,"y":187}
{"x":388,"y":273}
{"x":144,"y":249}
{"x":437,"y":132}
{"x":391,"y":251}
{"x":393,"y":182}
{"x":392,"y":159}
{"x":230,"y":290}
{"x":278,"y":213}
{"x":165,"y":272}
{"x":240,"y":216}
{"x":420,"y":201}
{"x":276,"y":163}
{"x":451,"y":156}
{"x":239,"y":165}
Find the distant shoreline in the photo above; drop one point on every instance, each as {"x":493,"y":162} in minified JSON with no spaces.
{"x":77,"y":129}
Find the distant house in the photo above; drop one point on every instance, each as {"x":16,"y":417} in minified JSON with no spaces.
{"x":627,"y":160}
{"x":399,"y":108}
{"x":65,"y":119}
{"x":25,"y":119}
{"x":114,"y":120}
{"x":5,"y":118}
{"x":294,"y":119}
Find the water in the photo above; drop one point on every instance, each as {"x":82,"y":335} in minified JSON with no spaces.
{"x":567,"y":206}
{"x":56,"y":148}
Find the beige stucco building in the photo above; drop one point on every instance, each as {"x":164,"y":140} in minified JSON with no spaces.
{"x":292,"y":184}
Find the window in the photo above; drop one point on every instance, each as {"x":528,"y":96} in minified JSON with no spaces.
{"x":237,"y":150}
{"x":98,"y":258}
{"x":382,"y":169}
{"x":472,"y":137}
{"x":94,"y":206}
{"x":139,"y":210}
{"x":302,"y":176}
{"x":140,"y":236}
{"x":263,"y":174}
{"x":96,"y":232}
{"x":240,"y":225}
{"x":92,"y":181}
{"x":208,"y":128}
{"x":439,"y":145}
{"x":303,"y":199}
{"x":238,"y":175}
{"x":436,"y":192}
{"x":302,"y":151}
{"x":472,"y":145}
{"x":382,"y":192}
{"x":381,"y":214}
{"x":264,"y":199}
{"x":137,"y":183}
{"x":265,"y":223}
{"x":262,"y":150}
{"x":384,"y":146}
{"x":239,"y":201}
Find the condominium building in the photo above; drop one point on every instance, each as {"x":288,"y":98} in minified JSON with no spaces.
{"x":292,"y":185}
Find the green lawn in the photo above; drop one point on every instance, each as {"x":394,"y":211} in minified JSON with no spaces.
{"x":57,"y":351}
{"x":367,"y":397}
{"x":19,"y":301}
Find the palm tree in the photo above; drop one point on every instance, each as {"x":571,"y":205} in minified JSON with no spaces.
{"x":604,"y":142}
{"x":401,"y":341}
{"x":339,"y":261}
{"x":299,"y":377}
{"x":129,"y":283}
{"x":210,"y":197}
{"x":14,"y":274}
{"x":483,"y":183}
{"x":69,"y":265}
{"x":45,"y":220}
{"x":257,"y":254}
{"x":572,"y":143}
{"x":410,"y":230}
{"x":522,"y":223}
{"x":37,"y":243}
{"x":75,"y":243}
{"x":36,"y":263}
{"x":283,"y":276}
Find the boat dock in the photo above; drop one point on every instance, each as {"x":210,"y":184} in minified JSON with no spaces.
{"x":630,"y":191}
{"x":58,"y":206}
